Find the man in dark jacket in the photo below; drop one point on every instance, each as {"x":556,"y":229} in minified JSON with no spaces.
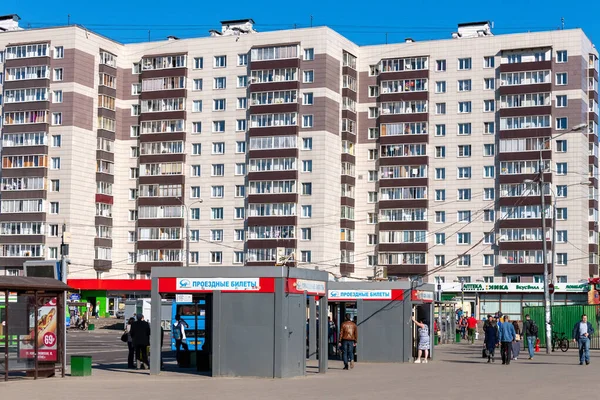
{"x":531,"y":330}
{"x":582,"y":331}
{"x":140,"y":335}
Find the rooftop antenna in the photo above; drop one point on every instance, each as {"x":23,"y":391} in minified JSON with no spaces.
{"x":386,"y":38}
{"x":148,"y":34}
{"x":562,"y":23}
{"x":311,"y":21}
{"x":68,"y":19}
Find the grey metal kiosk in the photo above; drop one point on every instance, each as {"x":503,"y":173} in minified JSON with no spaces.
{"x":256,"y":317}
{"x":383,"y":311}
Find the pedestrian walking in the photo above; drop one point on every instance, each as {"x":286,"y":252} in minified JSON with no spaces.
{"x":424,"y":340}
{"x":471,"y":328}
{"x":130,"y":355}
{"x":507,"y":337}
{"x":463,"y":327}
{"x":140,"y":335}
{"x":516,"y":345}
{"x":331,"y":331}
{"x":582,"y":331}
{"x":348,"y":340}
{"x":492,"y":337}
{"x":530,"y":330}
{"x":180,"y":341}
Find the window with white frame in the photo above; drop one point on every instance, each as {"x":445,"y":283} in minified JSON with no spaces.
{"x":220,"y":61}
{"x":197,"y":106}
{"x":308,"y":99}
{"x":58,"y":74}
{"x":561,"y":78}
{"x":489,"y":105}
{"x":464,"y":64}
{"x":242,"y":60}
{"x":489,"y":83}
{"x":561,"y":56}
{"x":488,"y":62}
{"x":464,"y":107}
{"x":307,"y":121}
{"x":464,"y":85}
{"x":59,"y":52}
{"x":440,"y":65}
{"x":57,"y":96}
{"x":309,"y":54}
{"x":218,"y":126}
{"x":440,"y":87}
{"x":561,"y":101}
{"x":308,"y":76}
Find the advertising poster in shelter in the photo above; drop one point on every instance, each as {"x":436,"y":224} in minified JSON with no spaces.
{"x":46,"y":331}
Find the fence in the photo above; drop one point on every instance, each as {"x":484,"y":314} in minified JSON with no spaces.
{"x":564,"y":319}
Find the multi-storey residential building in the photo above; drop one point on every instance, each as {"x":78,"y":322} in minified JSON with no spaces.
{"x":420,"y":158}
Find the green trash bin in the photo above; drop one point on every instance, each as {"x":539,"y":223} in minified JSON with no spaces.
{"x":91,"y":327}
{"x":81,"y":365}
{"x":435,"y":340}
{"x":457,"y":337}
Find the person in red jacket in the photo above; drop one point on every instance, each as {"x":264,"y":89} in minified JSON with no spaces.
{"x":471,"y":328}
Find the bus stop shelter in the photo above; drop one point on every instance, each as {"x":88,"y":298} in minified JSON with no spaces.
{"x":32,"y":326}
{"x":383,"y":312}
{"x":255,"y":318}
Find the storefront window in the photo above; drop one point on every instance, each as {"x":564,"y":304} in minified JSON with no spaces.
{"x":511,"y":306}
{"x":489,"y":304}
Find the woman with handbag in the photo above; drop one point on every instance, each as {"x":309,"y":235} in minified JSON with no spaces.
{"x":516,"y":345}
{"x":492,"y":337}
{"x":130,"y":355}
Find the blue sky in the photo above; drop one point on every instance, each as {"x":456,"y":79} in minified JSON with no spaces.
{"x":364,"y":22}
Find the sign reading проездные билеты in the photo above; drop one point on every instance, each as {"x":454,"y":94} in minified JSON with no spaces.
{"x":229,"y":284}
{"x":360,"y":294}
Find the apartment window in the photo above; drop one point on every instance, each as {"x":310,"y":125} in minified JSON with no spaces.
{"x":195,"y":170}
{"x":372,"y":154}
{"x":220,"y":61}
{"x":216,"y":235}
{"x":309,"y":54}
{"x":134,"y":173}
{"x":196,"y":127}
{"x":464,"y":150}
{"x":464,"y":64}
{"x":440,"y":108}
{"x":561,"y":259}
{"x":489,"y":84}
{"x":240,"y":169}
{"x":307,"y":166}
{"x":197,"y":106}
{"x":58,"y":74}
{"x":240,"y":147}
{"x":488,"y":62}
{"x":59,"y":52}
{"x":561,"y":78}
{"x":238,"y":235}
{"x":561,"y":146}
{"x":440,"y":151}
{"x":464,"y":260}
{"x":561,"y":279}
{"x":197,"y":85}
{"x":440,"y":217}
{"x":133,"y":194}
{"x":307,"y":144}
{"x":488,"y":171}
{"x":561,"y":56}
{"x":464,"y":128}
{"x":463,"y":238}
{"x":242,"y":60}
{"x":440,"y":194}
{"x":561,"y":123}
{"x":464,"y":195}
{"x":306,"y":211}
{"x":198,"y":62}
{"x":440,"y":65}
{"x":136,"y":88}
{"x":220,"y":83}
{"x":488,"y":216}
{"x":440,"y":173}
{"x":373,"y":133}
{"x":489,"y":128}
{"x":242,"y":81}
{"x":308,"y":76}
{"x":57,"y":96}
{"x":56,"y":140}
{"x":219,"y":104}
{"x":307,"y":121}
{"x":305,"y":256}
{"x":488,"y":260}
{"x":197,"y":149}
{"x":489,"y":193}
{"x":55,"y":185}
{"x":371,"y":240}
{"x":440,"y":87}
{"x":371,"y":218}
{"x":217,"y":192}
{"x":463,"y":216}
{"x":561,"y":236}
{"x":561,"y":190}
{"x":440,"y":130}
{"x":240,"y":125}
{"x":373,"y":91}
{"x":218,"y":126}
{"x":464,"y":85}
{"x":373,"y":112}
{"x":464,"y":107}
{"x":440,"y":260}
{"x":372,"y":176}
{"x":464,"y":173}
{"x":134,"y":131}
{"x":216,"y":213}
{"x":195,"y":214}
{"x":308,"y":99}
{"x":136,"y":68}
{"x":216,"y":257}
{"x":135,"y":109}
{"x":55,"y":163}
{"x":307,"y":188}
{"x":56,"y":118}
{"x":489,"y":105}
{"x":561,"y":168}
{"x":440,"y":239}
{"x":218,"y":170}
{"x":195,"y":192}
{"x":133,"y":215}
{"x":561,"y":213}
{"x":242,"y":103}
{"x":488,"y":238}
{"x":54,"y":207}
{"x":488,"y":150}
{"x":306,"y":234}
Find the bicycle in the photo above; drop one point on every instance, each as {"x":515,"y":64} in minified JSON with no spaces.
{"x":560,"y":340}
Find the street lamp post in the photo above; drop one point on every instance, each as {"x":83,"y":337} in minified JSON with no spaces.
{"x":547,"y":311}
{"x":187,"y":228}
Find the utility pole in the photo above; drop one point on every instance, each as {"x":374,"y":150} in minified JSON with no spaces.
{"x":462,"y":294}
{"x":64,"y":239}
{"x":187,"y":238}
{"x":553,"y":274}
{"x":545,"y":257}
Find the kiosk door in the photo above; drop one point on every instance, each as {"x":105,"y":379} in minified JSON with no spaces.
{"x":421,"y":312}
